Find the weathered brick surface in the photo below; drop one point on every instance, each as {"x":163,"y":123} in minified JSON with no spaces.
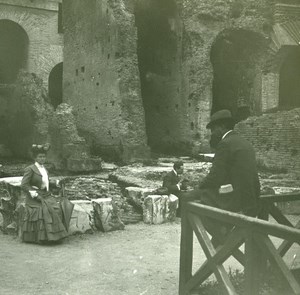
{"x":101,"y":78}
{"x":276,"y":139}
{"x":103,"y":83}
{"x":39,"y":21}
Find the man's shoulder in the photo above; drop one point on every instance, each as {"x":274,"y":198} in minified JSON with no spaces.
{"x":236,"y":140}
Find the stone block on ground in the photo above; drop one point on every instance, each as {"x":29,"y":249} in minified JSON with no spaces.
{"x":159,"y":209}
{"x":137,"y":195}
{"x":82,"y":217}
{"x":106,"y":215}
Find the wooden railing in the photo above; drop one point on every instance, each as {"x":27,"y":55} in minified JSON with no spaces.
{"x":234,"y":230}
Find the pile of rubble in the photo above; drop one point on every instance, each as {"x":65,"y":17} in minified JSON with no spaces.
{"x":86,"y":189}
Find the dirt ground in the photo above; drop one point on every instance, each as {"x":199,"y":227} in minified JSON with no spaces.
{"x":141,"y":260}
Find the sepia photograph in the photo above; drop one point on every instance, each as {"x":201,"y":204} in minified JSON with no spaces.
{"x":149,"y":147}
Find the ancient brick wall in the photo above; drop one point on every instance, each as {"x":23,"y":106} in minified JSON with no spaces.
{"x":39,"y":19}
{"x":276,"y":139}
{"x":101,"y":78}
{"x":203,"y":21}
{"x":105,"y":82}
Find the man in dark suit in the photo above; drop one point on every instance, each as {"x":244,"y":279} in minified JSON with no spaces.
{"x":174,"y":184}
{"x":172,"y":181}
{"x":232,"y":183}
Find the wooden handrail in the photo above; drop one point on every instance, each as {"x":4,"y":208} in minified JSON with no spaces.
{"x":258,"y":225}
{"x":282,"y":197}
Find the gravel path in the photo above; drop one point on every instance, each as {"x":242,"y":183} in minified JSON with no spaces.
{"x":141,"y":260}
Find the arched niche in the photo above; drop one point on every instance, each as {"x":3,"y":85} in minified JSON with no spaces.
{"x":13,"y":50}
{"x":55,"y":83}
{"x":289,"y":80}
{"x":236,"y":58}
{"x":14,"y":43}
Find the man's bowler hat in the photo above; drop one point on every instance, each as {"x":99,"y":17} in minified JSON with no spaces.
{"x":222,"y":115}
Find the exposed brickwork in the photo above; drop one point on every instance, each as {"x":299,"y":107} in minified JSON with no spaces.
{"x":39,"y":20}
{"x":102,"y":81}
{"x":101,"y":78}
{"x":276,"y":139}
{"x":203,"y":22}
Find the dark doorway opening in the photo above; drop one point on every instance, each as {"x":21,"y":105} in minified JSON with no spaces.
{"x":158,"y":27}
{"x":235,"y":57}
{"x":55,"y":83}
{"x":289,"y":84}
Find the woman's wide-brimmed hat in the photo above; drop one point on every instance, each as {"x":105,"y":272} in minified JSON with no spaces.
{"x":222,"y":115}
{"x":40,"y":148}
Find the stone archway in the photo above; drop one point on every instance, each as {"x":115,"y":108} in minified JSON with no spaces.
{"x":235,"y":56}
{"x":55,"y":84}
{"x":13,"y":58}
{"x":13,"y":50}
{"x":158,"y":27}
{"x":289,"y":80}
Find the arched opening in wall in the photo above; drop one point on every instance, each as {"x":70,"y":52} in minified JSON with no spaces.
{"x":289,"y":83}
{"x":236,"y":57}
{"x":55,"y":83}
{"x":158,"y":27}
{"x":13,"y":50}
{"x":13,"y":57}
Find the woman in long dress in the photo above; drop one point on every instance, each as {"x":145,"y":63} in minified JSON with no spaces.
{"x":46,"y":217}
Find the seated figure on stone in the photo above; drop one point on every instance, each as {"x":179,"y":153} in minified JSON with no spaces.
{"x":46,"y":217}
{"x":174,"y":184}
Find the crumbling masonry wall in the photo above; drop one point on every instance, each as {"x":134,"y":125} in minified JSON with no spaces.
{"x":39,"y":19}
{"x":276,"y":139}
{"x":101,"y":78}
{"x":125,"y":95}
{"x":204,"y":21}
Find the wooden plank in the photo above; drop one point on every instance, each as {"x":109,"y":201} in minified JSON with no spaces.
{"x":252,"y":265}
{"x":234,"y":241}
{"x":269,"y":249}
{"x":209,"y":251}
{"x":281,"y":198}
{"x":186,"y":252}
{"x":286,"y":245}
{"x":262,"y":226}
{"x":278,"y":216}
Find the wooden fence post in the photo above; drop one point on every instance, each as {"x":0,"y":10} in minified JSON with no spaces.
{"x":252,"y":265}
{"x":186,"y":250}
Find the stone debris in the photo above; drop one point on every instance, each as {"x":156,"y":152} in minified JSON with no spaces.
{"x":159,"y":209}
{"x":90,"y":187}
{"x":137,"y":195}
{"x":93,"y":187}
{"x":98,"y":214}
{"x":106,"y":215}
{"x":82,"y":217}
{"x":69,"y":150}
